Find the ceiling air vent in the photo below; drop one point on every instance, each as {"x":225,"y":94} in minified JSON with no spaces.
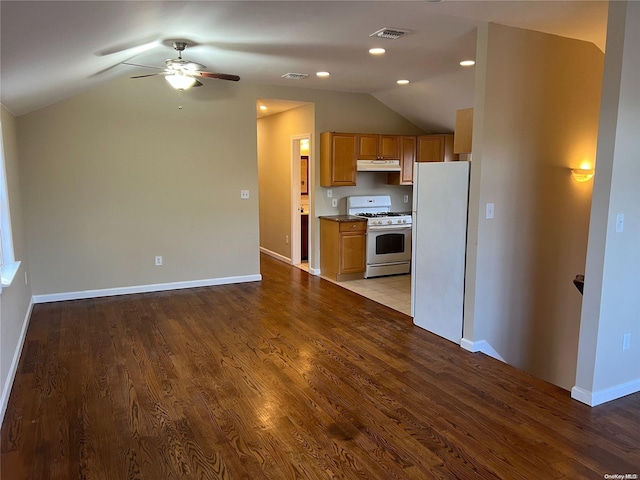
{"x":391,"y":33}
{"x":295,"y":76}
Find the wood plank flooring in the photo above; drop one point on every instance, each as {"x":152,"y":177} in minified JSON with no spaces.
{"x":289,"y":378}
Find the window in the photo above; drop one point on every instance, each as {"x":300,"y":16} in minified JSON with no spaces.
{"x":8,"y":265}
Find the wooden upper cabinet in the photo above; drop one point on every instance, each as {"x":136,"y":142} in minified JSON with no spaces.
{"x":389,"y":147}
{"x":435,"y":148}
{"x":337,"y":159}
{"x":367,"y":147}
{"x":464,"y":131}
{"x":407,"y":159}
{"x":378,"y":147}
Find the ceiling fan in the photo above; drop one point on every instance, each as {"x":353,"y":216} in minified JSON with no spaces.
{"x":182,"y":74}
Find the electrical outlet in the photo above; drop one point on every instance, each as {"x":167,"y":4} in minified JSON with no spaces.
{"x":158,"y":260}
{"x":406,"y":199}
{"x":244,"y":194}
{"x":626,"y":341}
{"x":334,"y":202}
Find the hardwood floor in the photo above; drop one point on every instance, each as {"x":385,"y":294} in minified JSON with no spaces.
{"x":289,"y":378}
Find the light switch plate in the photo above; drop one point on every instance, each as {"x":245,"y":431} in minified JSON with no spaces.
{"x":490,"y":210}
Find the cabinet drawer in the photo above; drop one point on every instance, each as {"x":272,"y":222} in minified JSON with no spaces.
{"x":353,"y":226}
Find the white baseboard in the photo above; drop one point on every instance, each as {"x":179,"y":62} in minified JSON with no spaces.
{"x":275,"y":255}
{"x":13,"y":369}
{"x":481,"y":346}
{"x":282,"y":258}
{"x":597,"y":398}
{"x":158,"y":287}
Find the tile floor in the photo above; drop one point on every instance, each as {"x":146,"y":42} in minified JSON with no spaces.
{"x":393,"y":291}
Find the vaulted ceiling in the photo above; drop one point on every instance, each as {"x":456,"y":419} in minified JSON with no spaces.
{"x":53,"y":50}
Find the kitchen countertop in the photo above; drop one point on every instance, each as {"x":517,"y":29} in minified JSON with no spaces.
{"x":344,"y":218}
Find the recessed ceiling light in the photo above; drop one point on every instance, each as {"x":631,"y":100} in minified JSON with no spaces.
{"x":376,"y":51}
{"x":263,"y":107}
{"x":402,"y":82}
{"x":467,"y":63}
{"x":323,"y":74}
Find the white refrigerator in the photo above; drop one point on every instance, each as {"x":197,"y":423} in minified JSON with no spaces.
{"x":440,"y":209}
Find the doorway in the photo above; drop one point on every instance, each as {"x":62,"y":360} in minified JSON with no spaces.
{"x":301,"y":162}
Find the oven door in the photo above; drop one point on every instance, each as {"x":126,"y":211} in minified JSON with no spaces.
{"x":388,"y":244}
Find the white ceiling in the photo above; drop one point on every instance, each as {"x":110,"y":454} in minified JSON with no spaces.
{"x":51,"y":50}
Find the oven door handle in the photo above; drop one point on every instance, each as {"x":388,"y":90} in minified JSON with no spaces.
{"x":389,"y":227}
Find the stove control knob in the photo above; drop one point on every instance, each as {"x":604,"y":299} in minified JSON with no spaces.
{"x":389,"y":222}
{"x":404,"y":221}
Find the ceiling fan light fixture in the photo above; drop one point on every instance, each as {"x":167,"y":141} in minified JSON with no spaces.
{"x":180,"y":81}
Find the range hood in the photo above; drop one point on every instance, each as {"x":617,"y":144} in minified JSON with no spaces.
{"x":378,"y":165}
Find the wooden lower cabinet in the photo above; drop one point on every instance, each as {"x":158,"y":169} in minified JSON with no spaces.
{"x":304,"y":237}
{"x":342,"y":248}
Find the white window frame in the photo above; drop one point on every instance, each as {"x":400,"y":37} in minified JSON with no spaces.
{"x":8,"y":265}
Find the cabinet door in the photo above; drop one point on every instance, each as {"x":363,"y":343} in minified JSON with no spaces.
{"x":464,"y":131}
{"x":407,"y":159}
{"x":352,"y":252}
{"x":337,"y":159}
{"x":389,"y":147}
{"x":367,"y":147}
{"x":430,"y":148}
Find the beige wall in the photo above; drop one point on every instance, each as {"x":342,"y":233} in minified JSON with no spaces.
{"x":115,"y":176}
{"x":536,"y":116}
{"x":274,"y":174}
{"x":612,"y":285}
{"x":15,"y":299}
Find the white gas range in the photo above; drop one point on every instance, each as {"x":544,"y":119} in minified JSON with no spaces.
{"x":388,"y":235}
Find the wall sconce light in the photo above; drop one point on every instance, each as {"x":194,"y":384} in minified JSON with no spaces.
{"x":582,"y":174}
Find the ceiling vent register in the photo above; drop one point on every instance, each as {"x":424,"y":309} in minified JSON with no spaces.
{"x":295,"y":76}
{"x":390,"y":33}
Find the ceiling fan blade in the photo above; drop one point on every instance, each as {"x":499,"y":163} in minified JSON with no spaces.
{"x":221,"y":76}
{"x":140,"y":45}
{"x":144,"y":66}
{"x":148,"y":75}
